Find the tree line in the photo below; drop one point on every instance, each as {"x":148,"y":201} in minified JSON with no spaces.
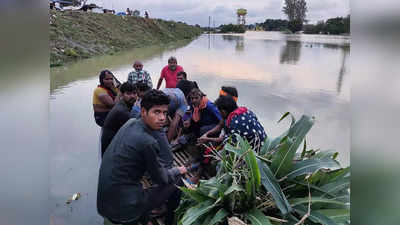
{"x":337,"y":25}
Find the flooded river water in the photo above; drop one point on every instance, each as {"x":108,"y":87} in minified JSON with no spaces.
{"x":274,"y":73}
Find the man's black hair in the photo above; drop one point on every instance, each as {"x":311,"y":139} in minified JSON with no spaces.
{"x":232,"y":91}
{"x":126,"y":87}
{"x":154,"y":97}
{"x":186,"y":86}
{"x":183,"y":74}
{"x":226,"y":103}
{"x":196,"y":91}
{"x":141,"y":86}
{"x":172,"y":58}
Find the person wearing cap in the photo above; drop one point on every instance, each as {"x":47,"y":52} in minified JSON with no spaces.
{"x":229,"y":91}
{"x":139,"y":75}
{"x":169,"y":73}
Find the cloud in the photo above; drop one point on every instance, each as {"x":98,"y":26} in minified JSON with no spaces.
{"x":224,"y":11}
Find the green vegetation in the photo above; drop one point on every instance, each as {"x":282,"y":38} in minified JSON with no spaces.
{"x":338,"y":25}
{"x":77,"y":35}
{"x":296,"y":13}
{"x":275,"y":185}
{"x":274,"y":25}
{"x":231,"y":28}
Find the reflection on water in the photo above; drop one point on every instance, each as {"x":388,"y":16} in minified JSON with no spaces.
{"x":239,"y":40}
{"x":290,"y":53}
{"x":273,"y":73}
{"x":342,"y":71}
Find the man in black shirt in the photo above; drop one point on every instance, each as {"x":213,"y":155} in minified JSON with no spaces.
{"x":118,"y":115}
{"x":132,"y":152}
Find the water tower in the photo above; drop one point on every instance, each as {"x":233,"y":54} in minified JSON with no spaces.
{"x":241,"y":14}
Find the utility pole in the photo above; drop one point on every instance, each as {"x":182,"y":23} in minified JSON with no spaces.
{"x":209,"y":24}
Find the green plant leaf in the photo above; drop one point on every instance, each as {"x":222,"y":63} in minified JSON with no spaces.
{"x":303,"y":153}
{"x":315,"y":216}
{"x":209,"y":187}
{"x":219,"y":216}
{"x":321,"y":178}
{"x":285,"y":115}
{"x":232,"y":188}
{"x":276,"y":141}
{"x":310,"y":166}
{"x":251,"y":162}
{"x":278,"y":158}
{"x":298,"y":201}
{"x":195,"y":194}
{"x":208,"y":218}
{"x":194,"y":213}
{"x":271,"y":185}
{"x":256,"y":217}
{"x":337,"y":215}
{"x":266,"y":146}
{"x":283,"y":159}
{"x":325,"y":154}
{"x":228,"y":147}
{"x":337,"y":186}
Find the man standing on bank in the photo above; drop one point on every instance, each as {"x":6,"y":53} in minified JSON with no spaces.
{"x":169,"y":73}
{"x":132,"y":152}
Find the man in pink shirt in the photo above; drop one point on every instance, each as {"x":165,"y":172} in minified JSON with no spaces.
{"x":169,"y":73}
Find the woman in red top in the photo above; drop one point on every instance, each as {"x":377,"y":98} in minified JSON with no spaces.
{"x":169,"y":73}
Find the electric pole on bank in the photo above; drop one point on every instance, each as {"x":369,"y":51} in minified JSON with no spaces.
{"x":209,"y":24}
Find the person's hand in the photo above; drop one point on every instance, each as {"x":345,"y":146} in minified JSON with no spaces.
{"x":186,"y":124}
{"x":203,"y":139}
{"x":137,"y":102}
{"x":182,"y":170}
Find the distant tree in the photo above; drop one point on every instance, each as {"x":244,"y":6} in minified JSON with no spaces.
{"x":335,"y":25}
{"x":346,"y":21}
{"x":232,"y":28}
{"x":338,"y":25}
{"x":296,"y":11}
{"x":275,"y":25}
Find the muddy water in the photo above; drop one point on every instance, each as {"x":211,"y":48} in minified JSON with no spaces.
{"x":274,"y":73}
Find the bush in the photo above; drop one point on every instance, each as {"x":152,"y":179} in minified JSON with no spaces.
{"x":295,"y":25}
{"x":275,"y":185}
{"x":232,"y":28}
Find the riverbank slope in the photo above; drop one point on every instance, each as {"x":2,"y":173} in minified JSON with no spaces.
{"x":77,"y":35}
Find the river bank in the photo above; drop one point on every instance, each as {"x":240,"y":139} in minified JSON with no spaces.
{"x":77,"y":35}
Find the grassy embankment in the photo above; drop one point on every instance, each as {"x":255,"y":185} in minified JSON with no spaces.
{"x":78,"y":35}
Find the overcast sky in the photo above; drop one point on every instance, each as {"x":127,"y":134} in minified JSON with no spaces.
{"x":224,"y":11}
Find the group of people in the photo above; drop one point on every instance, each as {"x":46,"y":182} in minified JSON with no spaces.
{"x":140,"y":125}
